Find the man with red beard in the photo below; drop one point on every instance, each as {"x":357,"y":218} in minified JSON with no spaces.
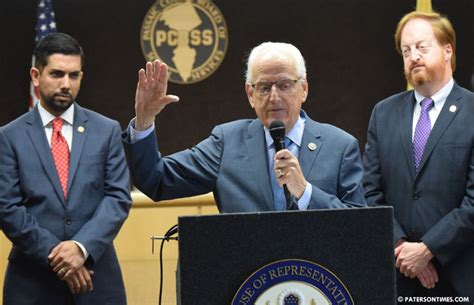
{"x":419,"y":158}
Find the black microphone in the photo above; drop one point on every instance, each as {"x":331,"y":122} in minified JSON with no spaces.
{"x":277,"y":131}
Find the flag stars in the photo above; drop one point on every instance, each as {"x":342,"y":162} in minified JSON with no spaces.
{"x":43,"y":28}
{"x":42,"y":16}
{"x":52,"y":25}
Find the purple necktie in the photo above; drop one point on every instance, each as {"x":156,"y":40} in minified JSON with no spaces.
{"x":422,"y":131}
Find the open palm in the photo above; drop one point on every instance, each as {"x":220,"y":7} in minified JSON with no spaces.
{"x":150,"y":97}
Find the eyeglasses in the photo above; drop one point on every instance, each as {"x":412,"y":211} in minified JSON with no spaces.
{"x":284,"y":85}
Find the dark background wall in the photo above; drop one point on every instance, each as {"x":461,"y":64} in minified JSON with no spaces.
{"x":348,"y":45}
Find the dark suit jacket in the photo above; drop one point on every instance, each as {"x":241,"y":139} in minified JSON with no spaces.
{"x":35,"y":216}
{"x":435,"y":205}
{"x":233,"y":164}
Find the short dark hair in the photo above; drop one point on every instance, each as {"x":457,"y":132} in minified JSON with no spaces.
{"x":57,"y":43}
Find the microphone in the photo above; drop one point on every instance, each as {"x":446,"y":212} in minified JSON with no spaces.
{"x":277,"y":132}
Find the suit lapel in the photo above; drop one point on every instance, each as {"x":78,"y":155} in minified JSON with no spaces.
{"x":255,"y":142}
{"x":405,"y":114}
{"x":307,"y":156}
{"x":36,"y":133}
{"x":79,"y":135}
{"x":442,"y":123}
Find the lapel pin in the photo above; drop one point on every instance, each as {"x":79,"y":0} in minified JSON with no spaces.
{"x":312,"y":146}
{"x":452,"y":108}
{"x":80,"y":129}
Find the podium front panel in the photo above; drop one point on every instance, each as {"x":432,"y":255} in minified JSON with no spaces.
{"x":219,"y":252}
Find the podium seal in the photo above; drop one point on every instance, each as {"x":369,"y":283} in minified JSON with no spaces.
{"x":190,"y":36}
{"x":295,"y":282}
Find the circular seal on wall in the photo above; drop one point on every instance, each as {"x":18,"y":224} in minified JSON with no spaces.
{"x":293,"y":281}
{"x":190,"y":36}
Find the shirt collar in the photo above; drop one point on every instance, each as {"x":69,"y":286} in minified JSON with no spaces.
{"x":46,"y":117}
{"x":439,"y":98}
{"x":295,"y":134}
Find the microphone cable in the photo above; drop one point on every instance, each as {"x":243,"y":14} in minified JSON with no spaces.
{"x":167,"y":237}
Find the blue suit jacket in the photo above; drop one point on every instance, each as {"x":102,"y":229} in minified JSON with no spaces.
{"x":35,"y":216}
{"x":233,"y":164}
{"x":435,"y":205}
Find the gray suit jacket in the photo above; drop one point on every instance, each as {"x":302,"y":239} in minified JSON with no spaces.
{"x":233,"y":164}
{"x":35,"y":216}
{"x":435,"y":205}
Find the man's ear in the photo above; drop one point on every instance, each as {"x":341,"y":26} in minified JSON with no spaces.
{"x":305,"y":91}
{"x":249,"y":91}
{"x":448,"y":52}
{"x":35,"y":74}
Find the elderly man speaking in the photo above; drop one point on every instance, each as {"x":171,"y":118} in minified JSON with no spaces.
{"x":318,"y":167}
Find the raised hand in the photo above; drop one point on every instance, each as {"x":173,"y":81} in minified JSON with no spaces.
{"x":150,"y":97}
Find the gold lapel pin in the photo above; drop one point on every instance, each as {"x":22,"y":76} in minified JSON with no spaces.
{"x":312,"y":146}
{"x":80,"y":129}
{"x":453,"y":108}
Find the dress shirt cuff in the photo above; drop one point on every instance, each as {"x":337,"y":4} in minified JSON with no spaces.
{"x":137,"y":135}
{"x":83,"y":249}
{"x":303,"y":202}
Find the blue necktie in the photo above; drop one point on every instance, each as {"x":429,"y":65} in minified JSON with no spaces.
{"x":278,"y":193}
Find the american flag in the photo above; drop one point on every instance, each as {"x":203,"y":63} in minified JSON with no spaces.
{"x":45,"y":25}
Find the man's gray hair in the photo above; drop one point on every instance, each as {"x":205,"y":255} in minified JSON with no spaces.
{"x":276,"y":49}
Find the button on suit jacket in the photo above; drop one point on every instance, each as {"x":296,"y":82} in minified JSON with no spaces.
{"x":35,"y":216}
{"x":436,"y":204}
